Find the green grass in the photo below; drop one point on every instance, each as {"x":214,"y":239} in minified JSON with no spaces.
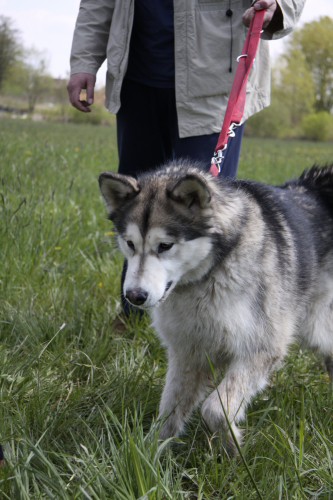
{"x":79,"y":392}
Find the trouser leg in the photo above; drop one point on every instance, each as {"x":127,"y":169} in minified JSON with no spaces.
{"x":141,"y":129}
{"x":229,"y":167}
{"x":201,"y":148}
{"x":148,"y":136}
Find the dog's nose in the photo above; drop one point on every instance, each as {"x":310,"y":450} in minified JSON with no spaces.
{"x":137,"y":296}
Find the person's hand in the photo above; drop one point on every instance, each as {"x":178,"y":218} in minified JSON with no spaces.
{"x":77,"y":83}
{"x":268,"y":5}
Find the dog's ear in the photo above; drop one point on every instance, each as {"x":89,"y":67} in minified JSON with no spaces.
{"x":117,"y":189}
{"x":191,"y":191}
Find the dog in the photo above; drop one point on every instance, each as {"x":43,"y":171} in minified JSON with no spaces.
{"x":233,"y":272}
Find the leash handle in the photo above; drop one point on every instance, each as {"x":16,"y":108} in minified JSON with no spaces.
{"x":237,"y":98}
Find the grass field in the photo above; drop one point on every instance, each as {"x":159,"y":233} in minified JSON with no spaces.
{"x":79,"y":392}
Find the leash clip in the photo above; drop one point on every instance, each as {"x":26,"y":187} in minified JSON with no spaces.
{"x":217,"y":160}
{"x":231,"y":131}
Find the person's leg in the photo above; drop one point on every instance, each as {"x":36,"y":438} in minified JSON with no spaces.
{"x":201,"y":148}
{"x":140,"y":129}
{"x":198,"y":148}
{"x":230,"y":162}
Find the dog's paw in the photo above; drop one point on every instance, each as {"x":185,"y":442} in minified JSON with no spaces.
{"x":167,"y":431}
{"x":228,"y":442}
{"x":171,"y":427}
{"x":232,"y":440}
{"x":227,"y":431}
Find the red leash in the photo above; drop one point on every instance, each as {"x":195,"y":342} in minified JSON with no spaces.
{"x":236,"y":103}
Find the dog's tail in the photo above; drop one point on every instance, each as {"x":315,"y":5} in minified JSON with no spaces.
{"x":319,"y":180}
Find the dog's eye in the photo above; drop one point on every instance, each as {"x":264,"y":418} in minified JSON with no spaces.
{"x":130,"y":245}
{"x":164,"y":247}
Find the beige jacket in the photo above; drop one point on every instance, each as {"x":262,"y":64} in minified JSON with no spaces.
{"x":202,"y":54}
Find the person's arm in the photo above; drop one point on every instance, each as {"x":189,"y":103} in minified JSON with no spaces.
{"x":280,"y":18}
{"x":88,"y":52}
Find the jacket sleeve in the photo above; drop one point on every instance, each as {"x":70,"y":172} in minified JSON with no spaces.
{"x":284,"y":20}
{"x":91,"y":35}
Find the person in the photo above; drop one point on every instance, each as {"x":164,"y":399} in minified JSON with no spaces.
{"x":170,"y":67}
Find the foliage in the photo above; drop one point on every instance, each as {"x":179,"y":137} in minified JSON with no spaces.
{"x":302,"y":83}
{"x":9,"y":47}
{"x":318,"y":126}
{"x":67,"y":114}
{"x":80,"y":386}
{"x":294,"y":86}
{"x":35,"y":77}
{"x":97,"y":116}
{"x":23,"y":72}
{"x":271,"y":122}
{"x":30,"y":78}
{"x":315,"y":42}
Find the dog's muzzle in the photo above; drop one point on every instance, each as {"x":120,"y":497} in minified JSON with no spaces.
{"x":136,"y":296}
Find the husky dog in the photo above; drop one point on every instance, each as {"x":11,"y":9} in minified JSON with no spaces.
{"x":232,"y":273}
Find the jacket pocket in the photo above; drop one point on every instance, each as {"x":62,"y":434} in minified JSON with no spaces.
{"x":214,"y":41}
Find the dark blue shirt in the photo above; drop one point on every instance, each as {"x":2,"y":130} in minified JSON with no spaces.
{"x":151,"y":56}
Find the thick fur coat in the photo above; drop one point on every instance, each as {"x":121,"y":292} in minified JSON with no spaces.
{"x":232,"y":273}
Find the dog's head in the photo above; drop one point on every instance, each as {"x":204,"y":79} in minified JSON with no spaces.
{"x":164,"y":227}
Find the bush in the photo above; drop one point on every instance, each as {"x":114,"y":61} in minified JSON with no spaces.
{"x":272,"y":122}
{"x":318,"y":126}
{"x":67,"y":114}
{"x":98,"y":116}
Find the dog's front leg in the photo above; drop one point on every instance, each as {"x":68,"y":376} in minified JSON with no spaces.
{"x":226,"y":405}
{"x":184,"y":389}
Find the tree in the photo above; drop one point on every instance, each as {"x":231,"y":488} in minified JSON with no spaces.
{"x":10,"y":49}
{"x":302,"y":82}
{"x":37,"y":80}
{"x":29,"y":78}
{"x":315,"y":41}
{"x":295,"y":86}
{"x":292,"y":99}
{"x":318,"y":126}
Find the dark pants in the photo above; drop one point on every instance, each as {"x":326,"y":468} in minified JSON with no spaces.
{"x":147,"y":133}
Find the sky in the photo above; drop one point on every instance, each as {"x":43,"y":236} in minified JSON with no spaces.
{"x":48,"y":27}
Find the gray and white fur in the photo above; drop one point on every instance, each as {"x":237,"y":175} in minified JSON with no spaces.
{"x":233,"y":272}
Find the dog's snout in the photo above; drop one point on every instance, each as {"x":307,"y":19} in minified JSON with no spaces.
{"x":137,"y":296}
